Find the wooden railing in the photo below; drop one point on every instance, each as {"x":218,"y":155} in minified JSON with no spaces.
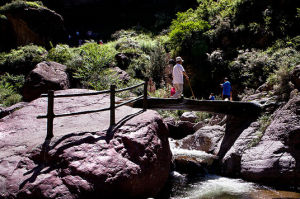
{"x":51,"y":115}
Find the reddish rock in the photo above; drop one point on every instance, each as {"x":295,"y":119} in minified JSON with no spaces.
{"x":231,"y":163}
{"x":46,"y":76}
{"x":296,"y":77}
{"x":83,"y":160}
{"x":179,"y":130}
{"x":188,"y":116}
{"x":35,"y":24}
{"x":122,"y":74}
{"x":205,"y":139}
{"x":6,"y":111}
{"x":276,"y":159}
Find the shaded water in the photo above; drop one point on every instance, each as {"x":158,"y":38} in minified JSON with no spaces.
{"x":209,"y":186}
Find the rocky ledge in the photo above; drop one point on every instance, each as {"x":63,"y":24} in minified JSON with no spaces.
{"x":130,"y":161}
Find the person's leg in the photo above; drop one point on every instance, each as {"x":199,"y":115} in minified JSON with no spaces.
{"x":226,"y":96}
{"x":178,"y":89}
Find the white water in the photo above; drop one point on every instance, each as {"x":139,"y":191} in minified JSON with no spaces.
{"x":207,"y":186}
{"x":213,"y":186}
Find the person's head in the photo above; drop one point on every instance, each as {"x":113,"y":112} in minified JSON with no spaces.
{"x":225,"y":79}
{"x":179,"y":60}
{"x":212,"y":94}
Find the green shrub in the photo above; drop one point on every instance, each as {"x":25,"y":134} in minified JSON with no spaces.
{"x":173,"y":114}
{"x":22,"y":60}
{"x":158,"y":62}
{"x":90,"y":61}
{"x":137,"y":67}
{"x":16,"y":4}
{"x":185,"y":27}
{"x":264,"y":122}
{"x":16,"y":81}
{"x":61,"y":54}
{"x":9,"y":88}
{"x":201,"y":116}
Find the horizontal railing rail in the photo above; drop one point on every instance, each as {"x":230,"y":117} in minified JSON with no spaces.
{"x":50,"y":109}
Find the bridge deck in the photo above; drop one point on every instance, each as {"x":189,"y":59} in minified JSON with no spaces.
{"x":216,"y":106}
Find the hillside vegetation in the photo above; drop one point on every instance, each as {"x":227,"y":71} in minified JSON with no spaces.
{"x":249,"y":41}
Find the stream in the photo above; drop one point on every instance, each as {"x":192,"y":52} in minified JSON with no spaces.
{"x":210,"y":186}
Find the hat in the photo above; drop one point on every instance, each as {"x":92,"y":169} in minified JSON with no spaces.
{"x":179,"y":59}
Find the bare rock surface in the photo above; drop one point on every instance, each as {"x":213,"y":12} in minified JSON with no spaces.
{"x":276,"y":159}
{"x":84,"y":159}
{"x":46,"y":76}
{"x":4,"y":111}
{"x":296,"y":77}
{"x":231,"y":163}
{"x":35,"y":24}
{"x":181,"y":129}
{"x":188,"y":116}
{"x":205,"y":139}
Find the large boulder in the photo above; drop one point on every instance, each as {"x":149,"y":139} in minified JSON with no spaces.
{"x":231,"y":163}
{"x":84,"y":159}
{"x":46,"y":76}
{"x":32,"y":23}
{"x":276,"y":159}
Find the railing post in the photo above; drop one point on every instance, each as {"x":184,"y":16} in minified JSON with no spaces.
{"x":112,"y":104}
{"x":50,"y":114}
{"x":145,"y":95}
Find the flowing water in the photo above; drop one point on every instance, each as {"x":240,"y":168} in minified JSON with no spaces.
{"x":209,"y":186}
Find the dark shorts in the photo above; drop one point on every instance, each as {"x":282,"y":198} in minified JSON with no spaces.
{"x":226,"y":96}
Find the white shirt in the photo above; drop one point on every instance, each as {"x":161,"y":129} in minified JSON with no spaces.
{"x":177,"y":74}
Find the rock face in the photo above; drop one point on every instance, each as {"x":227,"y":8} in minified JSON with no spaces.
{"x":130,"y":161}
{"x":296,"y":77}
{"x":46,"y":76}
{"x":277,"y":156}
{"x":181,"y":129}
{"x":31,"y":25}
{"x":188,"y":116}
{"x":122,"y":74}
{"x":6,"y":111}
{"x":231,"y":163}
{"x":205,"y":139}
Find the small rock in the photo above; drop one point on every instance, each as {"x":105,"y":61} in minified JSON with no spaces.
{"x":122,"y":74}
{"x":188,"y":116}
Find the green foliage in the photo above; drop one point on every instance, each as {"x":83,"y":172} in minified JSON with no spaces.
{"x":22,"y":60}
{"x":173,"y":114}
{"x":252,"y":68}
{"x":10,"y":86}
{"x":201,"y":116}
{"x":137,"y":67}
{"x":264,"y":122}
{"x":158,"y":62}
{"x":61,"y":54}
{"x":17,"y":4}
{"x":186,"y":28}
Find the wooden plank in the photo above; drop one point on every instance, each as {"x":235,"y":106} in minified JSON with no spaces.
{"x":50,"y":115}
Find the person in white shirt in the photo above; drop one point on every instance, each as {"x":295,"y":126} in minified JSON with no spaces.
{"x":178,"y":72}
